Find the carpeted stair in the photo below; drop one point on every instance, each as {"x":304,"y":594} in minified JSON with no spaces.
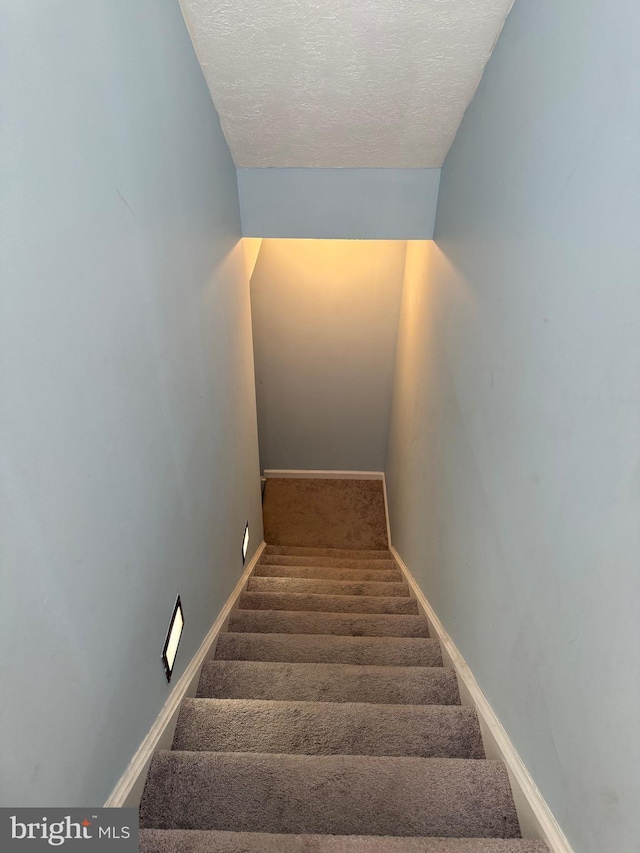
{"x":332,"y":648}
{"x":284,"y":586}
{"x":327,"y":573}
{"x":314,"y":622}
{"x":193,"y":841}
{"x":328,"y":603}
{"x":326,"y":721}
{"x":333,"y":562}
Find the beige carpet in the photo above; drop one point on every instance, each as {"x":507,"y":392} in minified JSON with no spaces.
{"x":325,"y":721}
{"x":192,"y":841}
{"x":325,"y":513}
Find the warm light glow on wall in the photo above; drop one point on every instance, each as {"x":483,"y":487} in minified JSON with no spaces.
{"x":338,"y":261}
{"x":251,"y":248}
{"x":325,"y":315}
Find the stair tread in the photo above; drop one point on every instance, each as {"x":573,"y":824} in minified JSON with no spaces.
{"x":328,"y":682}
{"x":306,"y":551}
{"x":320,"y":622}
{"x":328,"y":603}
{"x":326,"y":721}
{"x":315,"y":728}
{"x":327,"y":562}
{"x":212,"y":841}
{"x":321,"y":648}
{"x":275,"y":570}
{"x":334,"y":794}
{"x":326,"y":587}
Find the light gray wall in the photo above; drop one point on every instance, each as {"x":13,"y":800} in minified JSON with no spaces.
{"x":514,"y":460}
{"x":128,"y":450}
{"x":325,"y":319}
{"x":368,"y":204}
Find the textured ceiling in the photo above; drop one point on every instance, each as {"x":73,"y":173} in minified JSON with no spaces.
{"x":342,"y":83}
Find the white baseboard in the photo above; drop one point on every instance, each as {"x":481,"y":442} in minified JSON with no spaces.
{"x":386,"y":509}
{"x":128,"y":790}
{"x":535,"y":816}
{"x":290,"y":473}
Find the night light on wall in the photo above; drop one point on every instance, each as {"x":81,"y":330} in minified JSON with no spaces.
{"x":245,"y":542}
{"x":172,"y":642}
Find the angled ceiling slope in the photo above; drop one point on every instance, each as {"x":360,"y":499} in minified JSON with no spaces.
{"x":342,"y":83}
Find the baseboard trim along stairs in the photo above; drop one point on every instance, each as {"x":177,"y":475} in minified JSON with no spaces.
{"x":535,"y":816}
{"x":128,"y":789}
{"x":316,"y":474}
{"x":328,"y":711}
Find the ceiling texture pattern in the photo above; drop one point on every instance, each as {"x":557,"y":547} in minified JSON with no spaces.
{"x":342,"y":83}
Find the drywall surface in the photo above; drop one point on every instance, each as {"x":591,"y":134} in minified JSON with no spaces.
{"x":128,"y":448}
{"x":325,"y":319}
{"x":251,"y":247}
{"x":360,"y":204}
{"x":514,"y":458}
{"x":343,"y":83}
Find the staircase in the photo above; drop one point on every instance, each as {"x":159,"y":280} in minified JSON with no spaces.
{"x":326,"y":723}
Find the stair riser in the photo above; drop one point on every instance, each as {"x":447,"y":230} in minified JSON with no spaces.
{"x":328,"y":683}
{"x":337,"y":624}
{"x":328,"y":794}
{"x":324,"y":729}
{"x":321,"y":573}
{"x":308,"y":648}
{"x":327,"y":562}
{"x":339,"y":553}
{"x":319,"y":587}
{"x":192,"y":841}
{"x":328,"y":603}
